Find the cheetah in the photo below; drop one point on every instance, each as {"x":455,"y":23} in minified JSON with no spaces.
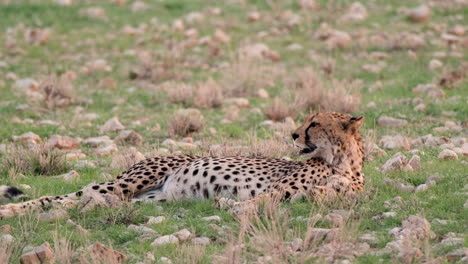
{"x":331,"y":143}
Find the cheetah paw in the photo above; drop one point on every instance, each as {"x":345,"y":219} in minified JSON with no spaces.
{"x":224,"y":203}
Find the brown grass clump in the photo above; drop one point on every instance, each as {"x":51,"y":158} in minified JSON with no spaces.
{"x":38,"y":160}
{"x":185,"y":122}
{"x":344,"y":97}
{"x":244,"y":76}
{"x":267,"y":237}
{"x":126,"y":159}
{"x":274,"y":147}
{"x":190,"y":254}
{"x":179,"y":93}
{"x":278,"y":110}
{"x":62,"y":249}
{"x":308,"y":88}
{"x":208,"y":95}
{"x":57,"y":92}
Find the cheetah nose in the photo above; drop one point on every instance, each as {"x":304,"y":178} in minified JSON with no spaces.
{"x":295,"y":136}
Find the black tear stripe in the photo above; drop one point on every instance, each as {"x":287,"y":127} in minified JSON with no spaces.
{"x":307,"y":138}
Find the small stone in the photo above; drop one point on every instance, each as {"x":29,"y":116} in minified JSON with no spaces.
{"x":78,"y":227}
{"x":112,"y":125}
{"x":262,"y":93}
{"x":387,"y":121}
{"x":415,"y":162}
{"x":69,"y":176}
{"x":422,"y":188}
{"x":7,"y":239}
{"x":240,"y":102}
{"x":155,"y":220}
{"x":164,"y":240}
{"x":253,"y":16}
{"x":357,"y":12}
{"x":95,"y":142}
{"x":369,"y":239}
{"x":53,"y":215}
{"x":448,"y":154}
{"x":5,"y":229}
{"x":102,"y":254}
{"x":420,"y":14}
{"x":213,"y":218}
{"x":183,"y":235}
{"x":142,"y":229}
{"x":395,"y":142}
{"x":435,"y":64}
{"x":452,"y":241}
{"x":39,"y":255}
{"x":129,"y":137}
{"x":201,"y":241}
{"x":28,"y":138}
{"x":395,"y":163}
{"x":457,"y":30}
{"x":165,"y":260}
{"x":107,"y":150}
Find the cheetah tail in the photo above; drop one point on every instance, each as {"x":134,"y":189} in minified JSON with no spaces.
{"x":10,"y":193}
{"x":42,"y":203}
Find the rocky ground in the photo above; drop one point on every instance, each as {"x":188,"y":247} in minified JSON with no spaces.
{"x":88,"y":88}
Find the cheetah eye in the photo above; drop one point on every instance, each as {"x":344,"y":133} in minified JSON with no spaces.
{"x":313,"y":124}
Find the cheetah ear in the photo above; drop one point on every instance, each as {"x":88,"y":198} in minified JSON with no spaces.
{"x":353,"y":124}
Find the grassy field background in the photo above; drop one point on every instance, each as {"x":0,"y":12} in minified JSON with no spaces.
{"x":128,"y":59}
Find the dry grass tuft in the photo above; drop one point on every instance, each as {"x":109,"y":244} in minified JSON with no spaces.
{"x":126,"y":159}
{"x":274,"y":148}
{"x":179,"y":93}
{"x":344,"y":97}
{"x":208,"y":95}
{"x":186,"y":121}
{"x":244,"y":76}
{"x":57,"y":91}
{"x":278,"y":110}
{"x":308,"y":88}
{"x":62,"y":249}
{"x":38,"y":160}
{"x":190,"y":254}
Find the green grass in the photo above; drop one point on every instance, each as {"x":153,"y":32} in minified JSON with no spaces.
{"x":77,"y":39}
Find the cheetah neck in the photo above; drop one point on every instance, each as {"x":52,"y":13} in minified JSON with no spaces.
{"x":349,"y":160}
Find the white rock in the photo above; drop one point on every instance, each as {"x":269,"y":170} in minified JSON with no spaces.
{"x":420,"y":14}
{"x":95,"y":142}
{"x":415,"y":162}
{"x":395,"y":142}
{"x":422,"y":188}
{"x":155,"y":220}
{"x":452,"y":241}
{"x":165,"y":260}
{"x":112,"y":125}
{"x":448,"y":154}
{"x":183,"y":235}
{"x":142,"y":229}
{"x":213,"y":218}
{"x":387,"y":121}
{"x":7,"y":239}
{"x":435,"y":64}
{"x":395,"y":163}
{"x":107,"y":150}
{"x":164,"y":240}
{"x":69,"y":176}
{"x":357,"y":12}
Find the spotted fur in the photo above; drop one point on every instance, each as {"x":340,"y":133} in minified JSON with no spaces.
{"x":331,"y":141}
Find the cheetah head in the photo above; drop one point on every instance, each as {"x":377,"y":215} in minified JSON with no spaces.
{"x":324,"y":135}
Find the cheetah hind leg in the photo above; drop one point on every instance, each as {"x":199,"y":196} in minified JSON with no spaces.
{"x":151,"y":196}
